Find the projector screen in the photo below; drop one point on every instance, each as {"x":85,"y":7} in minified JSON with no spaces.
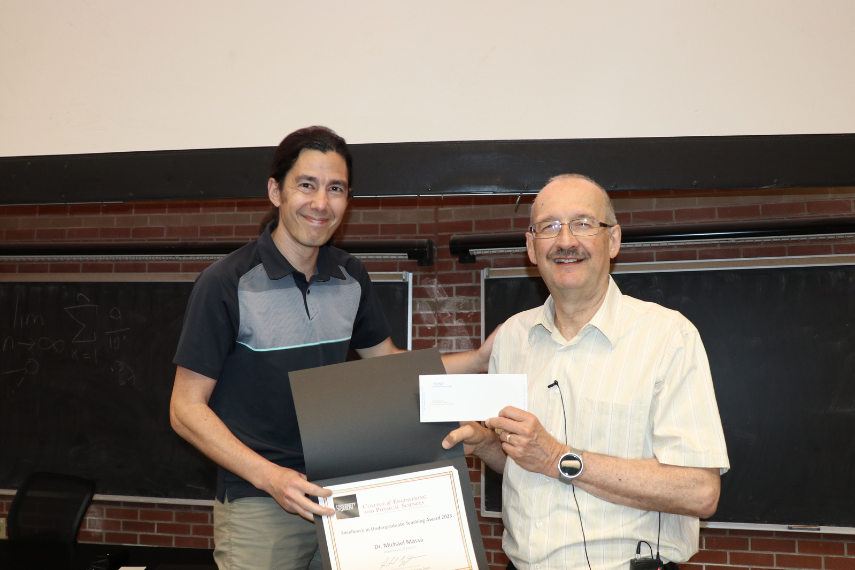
{"x":93,"y":76}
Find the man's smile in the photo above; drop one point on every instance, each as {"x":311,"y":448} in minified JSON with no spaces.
{"x":315,"y":219}
{"x":566,"y":256}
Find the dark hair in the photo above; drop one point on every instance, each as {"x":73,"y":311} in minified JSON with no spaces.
{"x":311,"y":138}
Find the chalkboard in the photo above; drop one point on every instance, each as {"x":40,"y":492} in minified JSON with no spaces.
{"x":781,"y":346}
{"x":396,"y":297}
{"x":86,"y":377}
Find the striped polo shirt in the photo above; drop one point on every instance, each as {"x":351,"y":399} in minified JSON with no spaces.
{"x":251,"y":319}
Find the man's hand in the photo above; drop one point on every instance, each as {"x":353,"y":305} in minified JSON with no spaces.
{"x":478,"y":441}
{"x":471,"y":434}
{"x":289,"y":488}
{"x":643,"y":484}
{"x":194,"y":420}
{"x":526,"y":441}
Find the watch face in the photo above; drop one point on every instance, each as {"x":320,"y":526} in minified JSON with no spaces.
{"x":570,"y":465}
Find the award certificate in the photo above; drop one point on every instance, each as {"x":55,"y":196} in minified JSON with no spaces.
{"x":414,"y":521}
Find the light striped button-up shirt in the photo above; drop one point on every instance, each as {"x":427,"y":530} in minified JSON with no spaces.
{"x":636,"y":384}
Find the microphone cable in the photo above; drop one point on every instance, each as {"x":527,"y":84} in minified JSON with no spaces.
{"x":566,"y":442}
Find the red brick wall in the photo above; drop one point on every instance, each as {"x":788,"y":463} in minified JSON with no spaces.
{"x":446,"y":311}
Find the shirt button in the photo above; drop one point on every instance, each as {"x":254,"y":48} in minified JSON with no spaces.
{"x":552,"y":433}
{"x":538,"y":525}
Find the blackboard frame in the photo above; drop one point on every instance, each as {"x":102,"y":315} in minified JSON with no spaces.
{"x":490,"y":481}
{"x":381,"y":279}
{"x":399,"y":277}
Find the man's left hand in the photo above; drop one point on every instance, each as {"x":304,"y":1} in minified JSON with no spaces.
{"x":527,"y":442}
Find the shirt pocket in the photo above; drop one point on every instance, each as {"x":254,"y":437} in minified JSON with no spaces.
{"x":612,"y":428}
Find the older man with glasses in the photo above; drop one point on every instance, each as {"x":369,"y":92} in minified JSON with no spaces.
{"x":621,"y":402}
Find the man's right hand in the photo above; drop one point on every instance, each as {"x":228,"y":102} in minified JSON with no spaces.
{"x":289,"y":488}
{"x":478,"y":441}
{"x":196,"y":422}
{"x":471,"y":434}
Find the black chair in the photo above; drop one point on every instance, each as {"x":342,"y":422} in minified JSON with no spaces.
{"x":49,"y":507}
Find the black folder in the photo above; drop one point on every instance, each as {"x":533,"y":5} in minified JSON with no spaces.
{"x":360,"y":420}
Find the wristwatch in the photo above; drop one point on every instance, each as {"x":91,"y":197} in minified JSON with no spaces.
{"x":570,"y":466}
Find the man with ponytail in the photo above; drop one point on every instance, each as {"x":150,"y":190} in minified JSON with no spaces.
{"x":287,"y":301}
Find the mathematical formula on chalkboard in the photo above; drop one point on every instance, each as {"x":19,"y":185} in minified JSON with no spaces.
{"x":85,"y":380}
{"x":27,"y":341}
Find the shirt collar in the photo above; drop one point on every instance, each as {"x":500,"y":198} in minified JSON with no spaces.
{"x":277,"y":265}
{"x":604,"y":320}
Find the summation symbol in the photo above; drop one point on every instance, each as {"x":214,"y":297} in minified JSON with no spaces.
{"x":87,"y":318}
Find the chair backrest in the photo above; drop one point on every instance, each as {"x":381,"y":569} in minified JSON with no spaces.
{"x":49,"y":507}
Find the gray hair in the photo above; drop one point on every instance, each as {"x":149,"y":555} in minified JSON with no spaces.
{"x":611,"y":219}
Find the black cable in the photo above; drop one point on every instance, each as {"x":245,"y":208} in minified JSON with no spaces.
{"x":578,"y":508}
{"x":658,"y":534}
{"x":584,"y":540}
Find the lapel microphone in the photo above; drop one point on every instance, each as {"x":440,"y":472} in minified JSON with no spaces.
{"x":554,"y":383}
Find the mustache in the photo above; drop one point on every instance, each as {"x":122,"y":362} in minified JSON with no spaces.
{"x":567,"y":252}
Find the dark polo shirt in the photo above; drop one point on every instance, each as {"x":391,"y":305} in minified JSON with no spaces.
{"x":252,"y":319}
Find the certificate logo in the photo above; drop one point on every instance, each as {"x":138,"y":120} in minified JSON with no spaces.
{"x":346,"y":507}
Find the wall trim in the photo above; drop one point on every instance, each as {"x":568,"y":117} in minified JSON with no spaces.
{"x":441,"y":168}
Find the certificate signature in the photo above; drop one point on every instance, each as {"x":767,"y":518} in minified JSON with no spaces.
{"x":400,"y":561}
{"x":414,"y":521}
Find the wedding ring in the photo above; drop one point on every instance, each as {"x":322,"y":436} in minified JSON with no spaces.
{"x":509,"y":438}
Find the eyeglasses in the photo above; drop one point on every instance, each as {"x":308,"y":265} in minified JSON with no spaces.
{"x":580,"y":227}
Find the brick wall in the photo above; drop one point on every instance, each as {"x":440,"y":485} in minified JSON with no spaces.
{"x":446,"y":311}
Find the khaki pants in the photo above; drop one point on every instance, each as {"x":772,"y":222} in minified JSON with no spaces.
{"x":255,"y":533}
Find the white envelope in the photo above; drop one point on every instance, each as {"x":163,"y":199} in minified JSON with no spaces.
{"x":470,"y":397}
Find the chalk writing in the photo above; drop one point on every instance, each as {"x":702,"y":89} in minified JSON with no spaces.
{"x":30,"y":367}
{"x":88,"y":313}
{"x":25,"y":319}
{"x":123,"y":372}
{"x":34,"y":338}
{"x":47,"y":344}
